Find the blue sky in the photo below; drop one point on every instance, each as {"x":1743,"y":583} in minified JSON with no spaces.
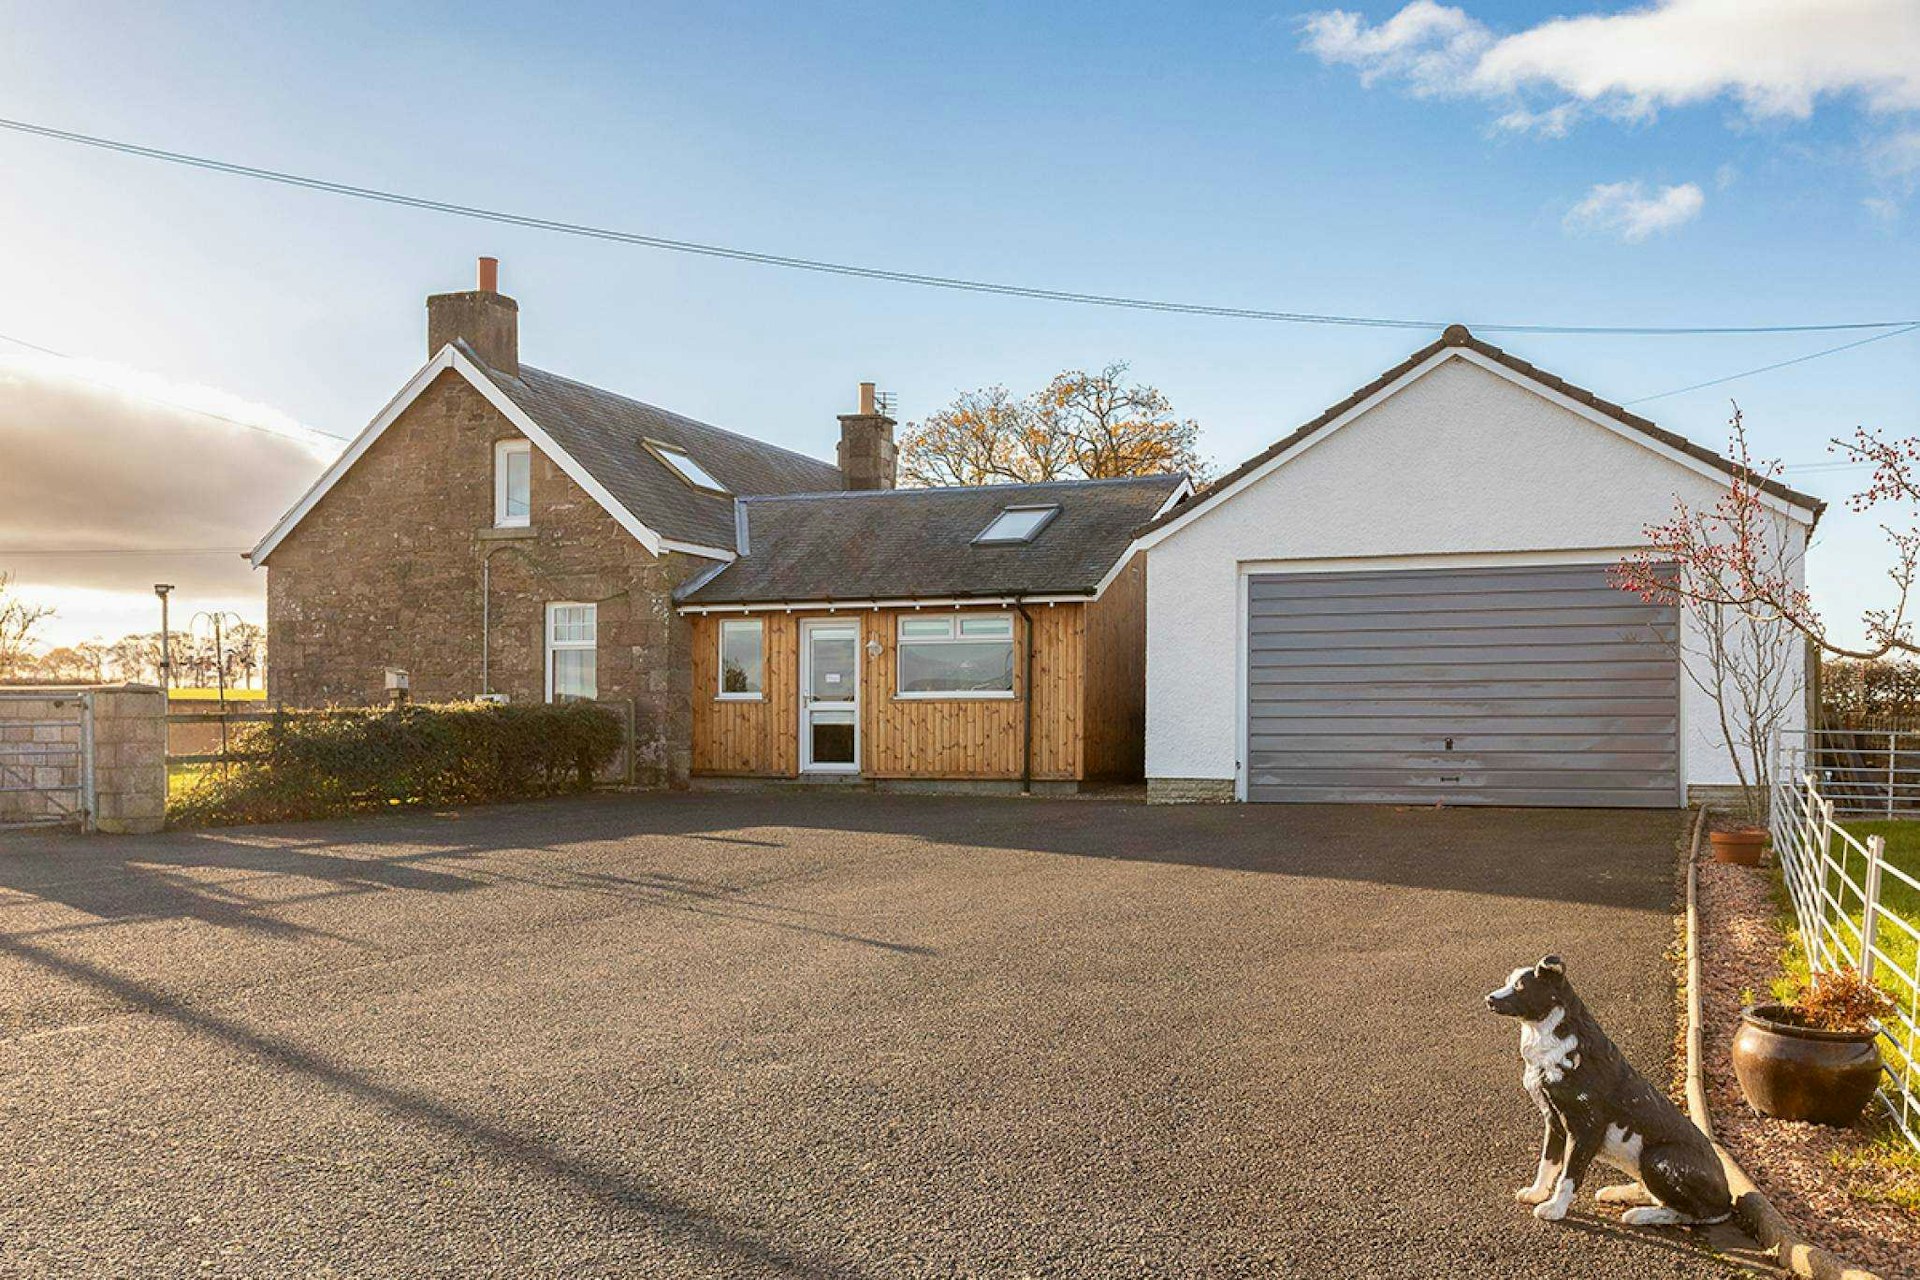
{"x":1160,"y":151}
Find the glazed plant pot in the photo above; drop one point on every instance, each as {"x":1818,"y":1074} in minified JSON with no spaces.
{"x":1791,"y":1072}
{"x":1741,"y":845}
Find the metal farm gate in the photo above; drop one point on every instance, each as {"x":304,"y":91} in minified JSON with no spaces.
{"x":46,"y":758}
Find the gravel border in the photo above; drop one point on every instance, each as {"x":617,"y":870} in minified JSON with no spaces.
{"x":1752,"y":1209}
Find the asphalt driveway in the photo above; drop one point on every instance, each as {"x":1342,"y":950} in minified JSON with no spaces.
{"x":793,"y":1035}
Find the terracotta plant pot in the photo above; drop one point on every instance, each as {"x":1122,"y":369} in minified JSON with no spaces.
{"x":1791,"y":1072}
{"x":1741,"y":845}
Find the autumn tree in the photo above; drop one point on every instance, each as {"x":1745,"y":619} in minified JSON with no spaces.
{"x":18,"y":621}
{"x":1082,"y":425}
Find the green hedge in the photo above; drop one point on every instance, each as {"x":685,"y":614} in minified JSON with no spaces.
{"x":313,"y":764}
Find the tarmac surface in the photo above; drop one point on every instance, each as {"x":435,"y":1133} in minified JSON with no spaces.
{"x":828,"y":1036}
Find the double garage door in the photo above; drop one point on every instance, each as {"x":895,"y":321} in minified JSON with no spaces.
{"x":1536,"y":686}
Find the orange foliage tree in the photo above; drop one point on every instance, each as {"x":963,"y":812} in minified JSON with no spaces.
{"x":1081,"y":426}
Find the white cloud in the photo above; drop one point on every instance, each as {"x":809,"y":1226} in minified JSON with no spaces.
{"x":1882,"y":208}
{"x":1775,"y":57}
{"x":1627,"y":210}
{"x":109,"y":460}
{"x":1896,"y":160}
{"x":1430,"y":45}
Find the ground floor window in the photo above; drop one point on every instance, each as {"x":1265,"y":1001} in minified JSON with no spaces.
{"x":572,"y":637}
{"x":961,"y":655}
{"x":742,"y":657}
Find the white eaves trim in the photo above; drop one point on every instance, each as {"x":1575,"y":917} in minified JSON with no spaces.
{"x":866,"y":606}
{"x":1791,"y":509}
{"x":449,"y":357}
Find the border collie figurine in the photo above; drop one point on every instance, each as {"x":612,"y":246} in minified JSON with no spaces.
{"x":1597,"y":1105}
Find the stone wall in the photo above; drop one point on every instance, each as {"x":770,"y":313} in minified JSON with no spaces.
{"x":1189,"y":790}
{"x":129,"y":756}
{"x":389,"y":570}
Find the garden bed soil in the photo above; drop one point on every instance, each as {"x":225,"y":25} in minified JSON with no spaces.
{"x":1826,"y":1181}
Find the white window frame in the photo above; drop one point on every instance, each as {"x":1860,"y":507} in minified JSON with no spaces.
{"x":556,"y":646}
{"x":954,"y":623}
{"x":503,"y":450}
{"x":672,"y":455}
{"x":1046,"y":511}
{"x":721,"y":692}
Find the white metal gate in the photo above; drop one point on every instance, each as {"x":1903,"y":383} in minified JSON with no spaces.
{"x":46,"y":758}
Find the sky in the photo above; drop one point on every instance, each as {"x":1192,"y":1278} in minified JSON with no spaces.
{"x":1695,"y":162}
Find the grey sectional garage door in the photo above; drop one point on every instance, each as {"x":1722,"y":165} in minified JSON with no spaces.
{"x":1473,"y":686}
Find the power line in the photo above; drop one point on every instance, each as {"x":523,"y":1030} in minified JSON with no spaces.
{"x":171,"y":404}
{"x":889,"y":275}
{"x":123,"y":551}
{"x":1778,"y":364}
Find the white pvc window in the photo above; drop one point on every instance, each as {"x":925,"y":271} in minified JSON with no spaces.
{"x":961,"y":655}
{"x":1018,"y":524}
{"x":512,"y":484}
{"x":743,"y":647}
{"x":685,"y":467}
{"x":572,"y":651}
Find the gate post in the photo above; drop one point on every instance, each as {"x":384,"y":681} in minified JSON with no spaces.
{"x":129,"y":753}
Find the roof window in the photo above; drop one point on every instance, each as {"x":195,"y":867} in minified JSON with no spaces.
{"x":1018,"y":524}
{"x":684,"y":466}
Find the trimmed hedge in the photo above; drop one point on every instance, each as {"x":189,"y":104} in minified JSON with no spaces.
{"x":315,"y":764}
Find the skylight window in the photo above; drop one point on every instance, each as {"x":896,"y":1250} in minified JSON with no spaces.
{"x":685,"y":467}
{"x":1017,"y":524}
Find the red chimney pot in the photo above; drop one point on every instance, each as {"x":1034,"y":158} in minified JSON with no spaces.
{"x":489,"y":275}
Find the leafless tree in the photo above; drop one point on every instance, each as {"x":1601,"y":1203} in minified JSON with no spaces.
{"x":18,"y":622}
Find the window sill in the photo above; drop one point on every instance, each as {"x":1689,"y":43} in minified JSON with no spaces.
{"x":504,"y":532}
{"x":954,"y":697}
{"x":739,"y":697}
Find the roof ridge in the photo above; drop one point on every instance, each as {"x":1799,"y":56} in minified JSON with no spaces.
{"x":1174,"y":477}
{"x":1459,"y":336}
{"x":671,"y":413}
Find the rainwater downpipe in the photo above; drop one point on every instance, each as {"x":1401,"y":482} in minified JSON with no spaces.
{"x":1026,"y":738}
{"x":486,"y":619}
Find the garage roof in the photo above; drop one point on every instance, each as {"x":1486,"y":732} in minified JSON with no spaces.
{"x":1457,"y":335}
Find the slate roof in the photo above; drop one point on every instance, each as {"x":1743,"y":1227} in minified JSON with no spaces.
{"x":895,"y":544}
{"x":602,"y":432}
{"x":1457,"y":335}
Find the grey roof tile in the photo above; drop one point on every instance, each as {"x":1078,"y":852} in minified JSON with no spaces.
{"x":602,"y":432}
{"x":918,"y":543}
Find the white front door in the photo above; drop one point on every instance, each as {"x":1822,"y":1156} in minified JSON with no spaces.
{"x":829,"y":695}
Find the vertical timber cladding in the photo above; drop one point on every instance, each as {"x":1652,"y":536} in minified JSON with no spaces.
{"x":1518,"y":686}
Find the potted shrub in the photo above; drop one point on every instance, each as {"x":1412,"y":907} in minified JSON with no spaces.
{"x":1815,"y":1057}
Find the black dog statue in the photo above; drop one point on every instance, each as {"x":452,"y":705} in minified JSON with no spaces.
{"x":1597,"y":1106}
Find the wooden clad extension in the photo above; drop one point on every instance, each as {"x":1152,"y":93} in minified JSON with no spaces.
{"x":1088,"y":685}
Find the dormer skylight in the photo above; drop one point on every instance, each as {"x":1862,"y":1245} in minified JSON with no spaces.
{"x":1017,"y":524}
{"x":685,"y":467}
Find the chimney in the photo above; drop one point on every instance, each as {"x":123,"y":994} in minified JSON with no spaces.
{"x":487,"y":319}
{"x":866,"y":443}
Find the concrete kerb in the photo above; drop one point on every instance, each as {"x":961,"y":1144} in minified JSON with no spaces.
{"x":1751,"y":1208}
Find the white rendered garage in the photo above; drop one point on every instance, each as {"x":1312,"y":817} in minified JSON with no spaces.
{"x":1416,"y":587}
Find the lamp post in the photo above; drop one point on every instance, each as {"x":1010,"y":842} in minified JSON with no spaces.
{"x":166,"y":646}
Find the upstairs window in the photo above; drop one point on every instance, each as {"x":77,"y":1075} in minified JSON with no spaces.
{"x":682,"y":464}
{"x":572,"y":652}
{"x":742,"y":658}
{"x":1017,"y":524}
{"x":961,"y":655}
{"x":512,"y":484}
